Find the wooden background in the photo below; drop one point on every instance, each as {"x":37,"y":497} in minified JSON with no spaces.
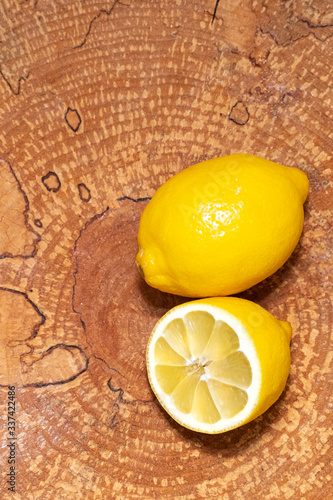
{"x":101,"y":102}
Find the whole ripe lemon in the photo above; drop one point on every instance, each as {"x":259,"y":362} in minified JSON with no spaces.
{"x":218,"y":363}
{"x":221,"y":226}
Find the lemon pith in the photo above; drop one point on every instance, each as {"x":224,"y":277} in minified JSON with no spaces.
{"x":215,"y":364}
{"x":221,"y":226}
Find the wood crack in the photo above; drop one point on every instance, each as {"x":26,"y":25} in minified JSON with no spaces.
{"x":26,"y":361}
{"x":312,"y":31}
{"x":29,"y":228}
{"x":102,"y":11}
{"x":215,"y":11}
{"x":315,"y":26}
{"x":78,"y":308}
{"x":68,"y":348}
{"x":279,"y":44}
{"x":16,"y":335}
{"x":20,"y":80}
{"x":75,"y":273}
{"x":239,"y":113}
{"x":135,"y":200}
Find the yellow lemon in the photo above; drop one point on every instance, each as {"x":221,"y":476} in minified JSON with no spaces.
{"x":221,"y":226}
{"x":215,"y":364}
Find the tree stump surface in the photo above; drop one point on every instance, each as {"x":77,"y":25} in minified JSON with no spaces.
{"x":101,"y":102}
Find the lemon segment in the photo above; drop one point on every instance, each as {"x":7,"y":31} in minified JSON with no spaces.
{"x":215,"y":364}
{"x":165,"y":355}
{"x":222,"y":342}
{"x":234,"y":369}
{"x":230,"y":399}
{"x":204,"y":408}
{"x":199,"y":326}
{"x":183,"y":395}
{"x":176,"y":335}
{"x":169,"y":377}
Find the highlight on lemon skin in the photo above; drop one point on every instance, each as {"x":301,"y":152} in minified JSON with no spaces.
{"x":221,"y":226}
{"x":215,"y":364}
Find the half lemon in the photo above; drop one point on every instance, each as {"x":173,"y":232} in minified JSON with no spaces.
{"x":215,"y":364}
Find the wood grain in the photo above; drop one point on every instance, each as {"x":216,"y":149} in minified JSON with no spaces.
{"x":101,"y":102}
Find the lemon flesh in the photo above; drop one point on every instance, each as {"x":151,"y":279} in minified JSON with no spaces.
{"x":215,"y":364}
{"x":221,"y":226}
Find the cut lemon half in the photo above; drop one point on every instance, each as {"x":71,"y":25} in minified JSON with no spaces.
{"x":215,"y":364}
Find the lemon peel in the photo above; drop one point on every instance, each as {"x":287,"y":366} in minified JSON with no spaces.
{"x":221,"y":226}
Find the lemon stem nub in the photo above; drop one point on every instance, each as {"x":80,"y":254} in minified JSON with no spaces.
{"x":140,"y":270}
{"x":287,"y":329}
